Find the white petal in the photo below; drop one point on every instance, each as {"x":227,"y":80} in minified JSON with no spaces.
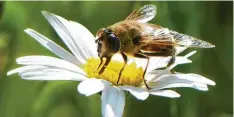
{"x":177,"y":80}
{"x":186,"y":56}
{"x":163,"y":61}
{"x":117,"y":57}
{"x":141,"y":62}
{"x":139,"y":93}
{"x":50,"y":78}
{"x":25,"y":68}
{"x":84,"y":36}
{"x":52,"y":74}
{"x":49,"y":61}
{"x":201,"y":79}
{"x":92,"y":86}
{"x":165,"y":93}
{"x":60,"y":26}
{"x":190,"y":54}
{"x":160,"y":62}
{"x":53,"y":47}
{"x":65,"y":30}
{"x":180,"y":49}
{"x":34,"y":72}
{"x":113,"y":101}
{"x":200,"y":86}
{"x":155,"y":74}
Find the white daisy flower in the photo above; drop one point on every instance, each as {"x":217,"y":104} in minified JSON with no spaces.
{"x":80,"y":66}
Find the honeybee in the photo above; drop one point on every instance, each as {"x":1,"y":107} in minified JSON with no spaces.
{"x":135,"y":37}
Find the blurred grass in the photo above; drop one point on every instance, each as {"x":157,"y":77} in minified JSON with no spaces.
{"x":210,"y":21}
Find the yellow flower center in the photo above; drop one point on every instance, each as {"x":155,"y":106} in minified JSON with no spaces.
{"x":131,"y":75}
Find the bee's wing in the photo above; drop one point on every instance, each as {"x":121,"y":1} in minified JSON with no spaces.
{"x":157,"y":42}
{"x":144,"y":14}
{"x":164,"y":36}
{"x":157,"y":36}
{"x":185,"y":40}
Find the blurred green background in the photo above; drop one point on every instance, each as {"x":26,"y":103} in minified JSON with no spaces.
{"x":210,"y":21}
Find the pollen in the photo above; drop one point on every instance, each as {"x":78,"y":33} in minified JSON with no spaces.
{"x":131,"y":75}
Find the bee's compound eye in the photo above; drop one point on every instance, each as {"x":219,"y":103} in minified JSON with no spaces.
{"x":114,"y":42}
{"x":112,"y":36}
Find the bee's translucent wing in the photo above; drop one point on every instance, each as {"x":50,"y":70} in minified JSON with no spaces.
{"x":160,"y":36}
{"x":144,"y":14}
{"x":164,"y":36}
{"x":185,"y":40}
{"x":163,"y":33}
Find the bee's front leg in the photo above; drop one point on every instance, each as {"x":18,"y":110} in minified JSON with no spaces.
{"x":125,"y":58}
{"x":101,"y":59}
{"x":108,"y":59}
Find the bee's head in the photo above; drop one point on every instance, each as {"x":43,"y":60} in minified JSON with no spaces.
{"x":107,"y":43}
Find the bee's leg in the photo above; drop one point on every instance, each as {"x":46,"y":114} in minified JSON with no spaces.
{"x":99,"y":64}
{"x":145,"y":72}
{"x":144,"y":56}
{"x":172,"y":61}
{"x":125,"y":58}
{"x":108,"y":59}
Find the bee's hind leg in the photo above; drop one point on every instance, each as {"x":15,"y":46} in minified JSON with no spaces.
{"x":172,"y":61}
